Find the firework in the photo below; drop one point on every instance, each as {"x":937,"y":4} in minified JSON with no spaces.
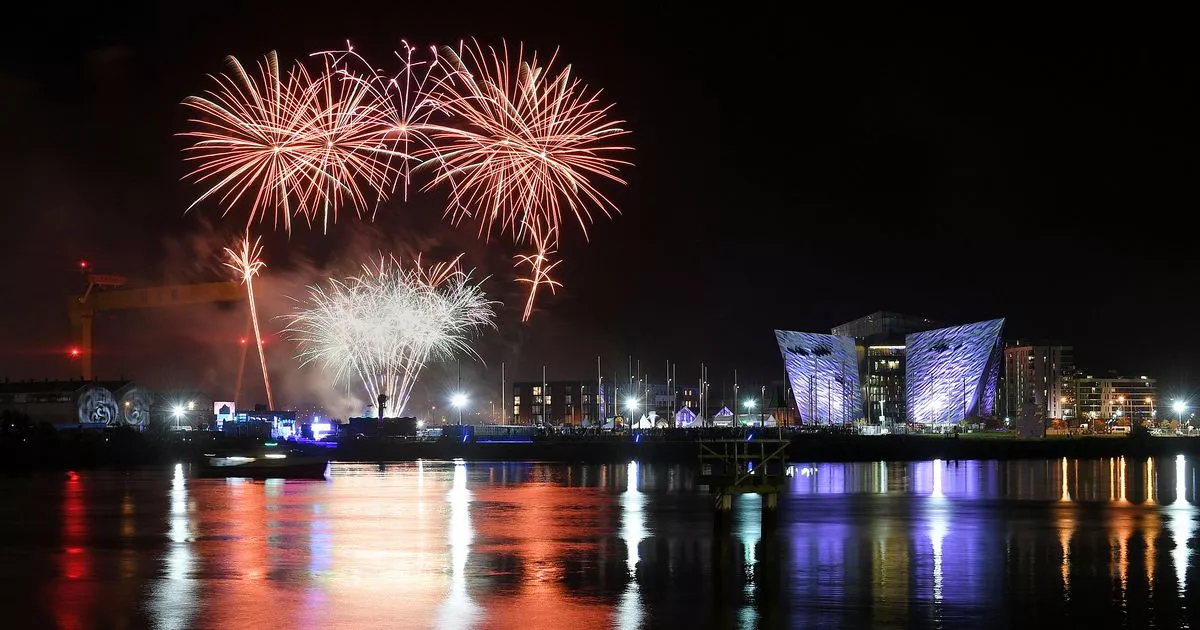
{"x":288,"y":144}
{"x":540,"y":266}
{"x":384,"y":325}
{"x":524,"y":144}
{"x":246,"y":262}
{"x":401,"y":132}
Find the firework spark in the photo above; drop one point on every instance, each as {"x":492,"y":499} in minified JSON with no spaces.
{"x":405,"y":109}
{"x":294,"y":144}
{"x":540,"y":266}
{"x":384,"y":325}
{"x":524,"y":143}
{"x":246,"y":262}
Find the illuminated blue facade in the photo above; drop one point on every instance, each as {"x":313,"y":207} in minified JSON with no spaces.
{"x":951,"y":373}
{"x":823,"y":373}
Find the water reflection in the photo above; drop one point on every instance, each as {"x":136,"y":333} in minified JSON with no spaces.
{"x":1181,"y":522}
{"x":174,"y":599}
{"x":633,"y":530}
{"x":446,"y":544}
{"x":458,"y":611}
{"x":75,"y":558}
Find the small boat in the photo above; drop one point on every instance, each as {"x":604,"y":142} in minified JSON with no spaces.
{"x":267,"y":466}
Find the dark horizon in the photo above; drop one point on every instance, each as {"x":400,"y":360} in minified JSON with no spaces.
{"x":790,"y":173}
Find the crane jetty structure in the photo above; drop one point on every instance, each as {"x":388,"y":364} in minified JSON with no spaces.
{"x":744,"y":466}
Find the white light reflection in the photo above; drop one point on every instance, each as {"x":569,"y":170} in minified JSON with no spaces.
{"x":937,"y":478}
{"x":1181,"y":526}
{"x":458,"y":611}
{"x":633,"y":530}
{"x":882,"y":477}
{"x":174,"y":598}
{"x":750,"y":532}
{"x":937,"y":527}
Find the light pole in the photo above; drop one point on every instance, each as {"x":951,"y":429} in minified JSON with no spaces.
{"x":1179,"y":408}
{"x":177,"y":411}
{"x":459,"y":400}
{"x":762,"y":396}
{"x":631,"y":405}
{"x":749,"y":404}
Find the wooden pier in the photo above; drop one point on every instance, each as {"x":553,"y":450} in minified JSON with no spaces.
{"x":730,"y":467}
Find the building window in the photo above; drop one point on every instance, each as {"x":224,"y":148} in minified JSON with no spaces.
{"x":548,"y":400}
{"x":537,"y":390}
{"x":516,"y":410}
{"x":567,"y":399}
{"x":516,"y":400}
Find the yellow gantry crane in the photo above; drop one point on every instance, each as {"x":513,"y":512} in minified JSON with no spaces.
{"x":101,"y":296}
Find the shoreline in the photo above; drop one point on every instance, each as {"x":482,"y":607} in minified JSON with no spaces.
{"x":136,"y":451}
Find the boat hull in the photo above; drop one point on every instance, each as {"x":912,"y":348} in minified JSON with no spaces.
{"x":268,"y":469}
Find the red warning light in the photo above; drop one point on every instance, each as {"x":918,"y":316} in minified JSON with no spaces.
{"x":83,"y":264}
{"x":242,"y":341}
{"x":74,"y":353}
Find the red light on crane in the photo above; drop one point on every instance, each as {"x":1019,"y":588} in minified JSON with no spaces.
{"x":74,"y":352}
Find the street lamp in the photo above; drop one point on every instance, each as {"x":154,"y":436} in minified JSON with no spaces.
{"x":1179,"y":408}
{"x":177,"y":411}
{"x":749,"y":404}
{"x":459,"y":401}
{"x":631,"y":405}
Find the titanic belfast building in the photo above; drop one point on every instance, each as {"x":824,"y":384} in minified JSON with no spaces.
{"x":889,"y":368}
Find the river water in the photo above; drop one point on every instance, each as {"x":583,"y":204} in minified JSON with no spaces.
{"x":1089,"y":543}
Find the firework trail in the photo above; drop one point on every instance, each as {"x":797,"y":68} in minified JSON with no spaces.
{"x":521,"y":149}
{"x":294,"y":144}
{"x":384,"y":325}
{"x":539,"y":266}
{"x":247,"y":262}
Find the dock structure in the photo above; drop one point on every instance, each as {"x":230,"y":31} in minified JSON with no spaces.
{"x":730,"y":467}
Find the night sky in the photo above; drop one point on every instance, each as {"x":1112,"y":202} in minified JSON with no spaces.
{"x":792,"y":171}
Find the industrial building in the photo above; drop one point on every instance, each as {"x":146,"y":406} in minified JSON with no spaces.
{"x":78,"y":402}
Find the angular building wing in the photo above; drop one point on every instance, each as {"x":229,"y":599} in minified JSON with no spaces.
{"x":950,"y":372}
{"x":823,"y":373}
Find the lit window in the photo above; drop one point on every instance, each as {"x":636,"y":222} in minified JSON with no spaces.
{"x":516,"y":400}
{"x":537,"y":391}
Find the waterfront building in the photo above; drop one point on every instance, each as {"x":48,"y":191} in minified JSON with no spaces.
{"x":1116,"y":400}
{"x":951,"y":373}
{"x":559,"y":402}
{"x":823,"y":372}
{"x":883,"y":364}
{"x":1041,"y":375}
{"x":883,"y":326}
{"x":879,"y":344}
{"x":78,"y":402}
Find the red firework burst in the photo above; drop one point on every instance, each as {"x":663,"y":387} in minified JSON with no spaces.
{"x":524,"y":145}
{"x":288,"y":145}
